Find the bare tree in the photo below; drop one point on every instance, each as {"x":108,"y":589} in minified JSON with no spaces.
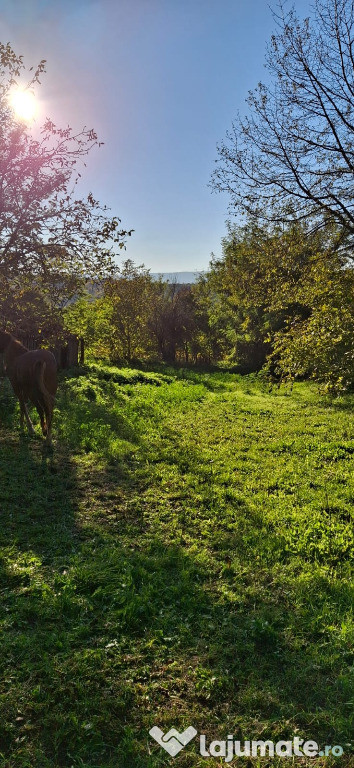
{"x":292,"y":156}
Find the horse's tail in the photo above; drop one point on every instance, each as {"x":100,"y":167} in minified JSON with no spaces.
{"x":46,"y":400}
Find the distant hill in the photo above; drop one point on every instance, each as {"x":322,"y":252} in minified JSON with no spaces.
{"x":177,"y":277}
{"x":180,"y":278}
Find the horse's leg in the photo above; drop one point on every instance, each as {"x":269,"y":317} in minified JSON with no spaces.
{"x":49,"y":415}
{"x":24,"y":412}
{"x":43,"y":422}
{"x":41,"y":415}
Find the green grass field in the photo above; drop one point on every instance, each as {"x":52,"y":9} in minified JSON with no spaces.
{"x":181,"y":558}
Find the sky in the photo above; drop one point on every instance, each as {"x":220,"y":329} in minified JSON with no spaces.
{"x":161,"y":82}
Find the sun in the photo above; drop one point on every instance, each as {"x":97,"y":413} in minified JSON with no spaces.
{"x":23,"y":104}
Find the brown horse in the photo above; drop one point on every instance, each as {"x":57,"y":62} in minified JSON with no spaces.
{"x":33,"y":376}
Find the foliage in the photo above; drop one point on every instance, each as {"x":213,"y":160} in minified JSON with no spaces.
{"x":251,"y":288}
{"x":36,"y":306}
{"x":182,"y":558}
{"x":292,"y":155}
{"x":172,"y":320}
{"x":285,"y":296}
{"x":211,"y":338}
{"x":136,"y":317}
{"x":321,"y":346}
{"x":90,"y":319}
{"x":129,"y":294}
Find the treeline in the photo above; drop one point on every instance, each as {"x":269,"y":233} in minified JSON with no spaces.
{"x":277,"y":299}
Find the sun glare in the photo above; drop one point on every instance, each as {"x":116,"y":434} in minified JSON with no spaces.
{"x":23,"y":104}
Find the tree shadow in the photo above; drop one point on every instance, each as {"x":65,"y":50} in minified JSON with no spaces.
{"x":37,"y":496}
{"x":343,"y":403}
{"x":124,"y":608}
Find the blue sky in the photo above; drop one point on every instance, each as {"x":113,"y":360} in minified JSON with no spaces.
{"x":161,"y":82}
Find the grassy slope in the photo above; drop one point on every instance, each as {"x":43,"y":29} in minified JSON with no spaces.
{"x":182,"y":558}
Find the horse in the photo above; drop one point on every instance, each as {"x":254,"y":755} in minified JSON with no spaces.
{"x":33,"y":376}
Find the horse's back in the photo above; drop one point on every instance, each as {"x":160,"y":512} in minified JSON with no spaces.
{"x":25,"y":369}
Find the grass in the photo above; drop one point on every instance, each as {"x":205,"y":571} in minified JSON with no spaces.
{"x":181,"y":558}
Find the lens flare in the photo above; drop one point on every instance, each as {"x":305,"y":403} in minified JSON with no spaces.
{"x":23,"y":104}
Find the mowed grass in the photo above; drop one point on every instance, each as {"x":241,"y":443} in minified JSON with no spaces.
{"x":181,"y":558}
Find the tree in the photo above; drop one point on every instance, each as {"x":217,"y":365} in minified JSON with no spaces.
{"x":35,"y":303}
{"x":319,"y":345}
{"x":44,"y":227}
{"x":90,"y":319}
{"x":214,"y":333}
{"x":252,"y":288}
{"x":172,"y":320}
{"x":293,"y":155}
{"x":129,"y":294}
{"x":283,"y":298}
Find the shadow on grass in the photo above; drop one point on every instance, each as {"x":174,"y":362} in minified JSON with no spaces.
{"x":134,"y":633}
{"x":7,"y":403}
{"x":340,"y":403}
{"x":37,"y":496}
{"x":116,"y":620}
